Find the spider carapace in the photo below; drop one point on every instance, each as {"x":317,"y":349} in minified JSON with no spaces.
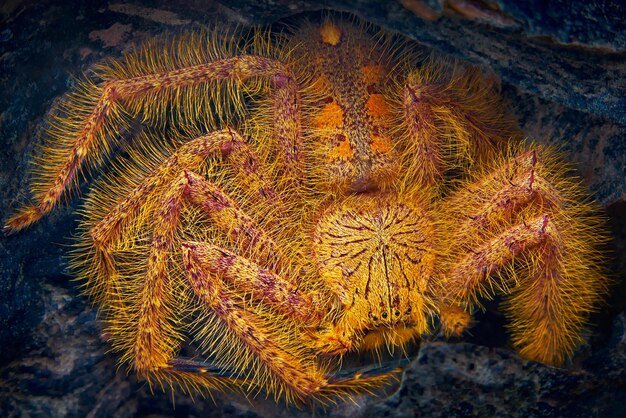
{"x":290,"y":198}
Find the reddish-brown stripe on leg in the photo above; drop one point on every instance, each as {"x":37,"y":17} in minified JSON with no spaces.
{"x":288,"y":133}
{"x":127,"y":90}
{"x":468,"y":278}
{"x":422,"y":136}
{"x":156,"y":340}
{"x":227,"y":215}
{"x":252,"y":176}
{"x":249,"y":277}
{"x":303,"y":380}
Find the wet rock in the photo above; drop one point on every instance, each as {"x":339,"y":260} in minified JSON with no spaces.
{"x":468,"y":380}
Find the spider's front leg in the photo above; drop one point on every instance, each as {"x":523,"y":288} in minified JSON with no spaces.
{"x":208,"y":268}
{"x":285,"y":362}
{"x":151,"y":341}
{"x":92,"y":117}
{"x":523,"y":230}
{"x":217,"y":276}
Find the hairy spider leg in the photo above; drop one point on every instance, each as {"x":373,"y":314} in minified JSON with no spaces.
{"x":539,"y":236}
{"x":227,"y":216}
{"x":90,"y":137}
{"x":209,"y":267}
{"x":525,"y":214}
{"x":450,"y":118}
{"x":287,"y":133}
{"x":282,"y":294}
{"x":155,"y":340}
{"x":226,"y":143}
{"x":206,"y":266}
{"x":519,"y":185}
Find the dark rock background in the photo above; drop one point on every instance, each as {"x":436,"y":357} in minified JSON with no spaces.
{"x":563,"y":71}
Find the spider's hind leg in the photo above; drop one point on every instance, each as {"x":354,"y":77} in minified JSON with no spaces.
{"x":524,"y":230}
{"x":281,"y":361}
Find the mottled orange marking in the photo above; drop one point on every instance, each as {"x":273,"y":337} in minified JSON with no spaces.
{"x":331,"y":34}
{"x":377,"y":107}
{"x":342,"y":151}
{"x":372,"y":73}
{"x":330,"y":117}
{"x":381,"y":143}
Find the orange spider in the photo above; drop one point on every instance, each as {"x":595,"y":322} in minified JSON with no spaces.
{"x":299,"y":196}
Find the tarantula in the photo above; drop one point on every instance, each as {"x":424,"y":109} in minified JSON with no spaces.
{"x":294,"y":197}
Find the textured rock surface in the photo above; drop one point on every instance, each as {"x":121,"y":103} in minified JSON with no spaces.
{"x":563,"y":72}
